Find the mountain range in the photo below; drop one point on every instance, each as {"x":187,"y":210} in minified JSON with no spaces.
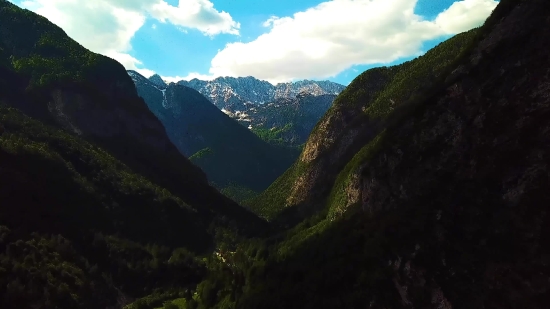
{"x":285,"y":121}
{"x":283,"y":114}
{"x":230,"y":93}
{"x":424,"y":185}
{"x":229,"y":153}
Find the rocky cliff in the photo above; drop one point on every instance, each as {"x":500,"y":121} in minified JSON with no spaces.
{"x":285,"y":120}
{"x":357,"y":115}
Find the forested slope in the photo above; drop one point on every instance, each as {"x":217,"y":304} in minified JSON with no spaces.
{"x":446,"y":207}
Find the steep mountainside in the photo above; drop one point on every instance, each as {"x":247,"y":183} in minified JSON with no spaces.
{"x":229,"y":153}
{"x":287,"y":121}
{"x":356,"y":117}
{"x":97,"y":207}
{"x":79,"y":229}
{"x":232,"y":93}
{"x":447,"y":207}
{"x":53,"y":79}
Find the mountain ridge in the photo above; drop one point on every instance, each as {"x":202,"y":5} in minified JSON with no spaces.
{"x":231,"y":93}
{"x":229,"y":152}
{"x":356,"y":117}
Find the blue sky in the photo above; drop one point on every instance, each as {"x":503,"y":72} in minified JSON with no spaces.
{"x":276,"y":40}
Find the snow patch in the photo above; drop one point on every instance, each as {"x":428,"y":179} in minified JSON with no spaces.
{"x":164,"y":101}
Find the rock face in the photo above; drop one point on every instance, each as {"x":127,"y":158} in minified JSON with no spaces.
{"x":292,"y":119}
{"x":228,"y":152}
{"x":231,"y":93}
{"x":357,"y":115}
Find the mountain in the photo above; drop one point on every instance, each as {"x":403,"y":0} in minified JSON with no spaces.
{"x":53,"y":79}
{"x":423,"y":186}
{"x":285,"y":121}
{"x":157,"y":80}
{"x":427,"y":184}
{"x":281,"y":114}
{"x":230,"y":93}
{"x":79,"y":229}
{"x":349,"y":125}
{"x":229,"y":153}
{"x":97,"y":206}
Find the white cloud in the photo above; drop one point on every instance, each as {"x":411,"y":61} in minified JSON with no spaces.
{"x":130,"y":63}
{"x":200,"y":14}
{"x":331,"y":37}
{"x":465,"y":14}
{"x":190,"y":76}
{"x":107,"y":26}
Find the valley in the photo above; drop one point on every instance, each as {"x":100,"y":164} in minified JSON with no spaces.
{"x":418,"y":185}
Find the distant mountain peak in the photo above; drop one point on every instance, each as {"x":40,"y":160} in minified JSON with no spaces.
{"x":233,"y":93}
{"x":157,"y":80}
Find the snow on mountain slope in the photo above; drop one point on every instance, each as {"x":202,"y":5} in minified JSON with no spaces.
{"x":232,"y":93}
{"x":292,"y":109}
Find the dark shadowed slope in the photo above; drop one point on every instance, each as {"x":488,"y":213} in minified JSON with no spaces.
{"x":52,"y":78}
{"x":72,"y":216}
{"x":97,"y":207}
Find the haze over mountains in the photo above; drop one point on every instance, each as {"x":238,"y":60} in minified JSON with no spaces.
{"x":424,"y":185}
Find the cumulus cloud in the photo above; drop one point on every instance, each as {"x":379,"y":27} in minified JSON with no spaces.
{"x":198,"y":13}
{"x":107,"y":26}
{"x":190,"y":76}
{"x":331,"y":37}
{"x":130,"y":63}
{"x":463,"y":15}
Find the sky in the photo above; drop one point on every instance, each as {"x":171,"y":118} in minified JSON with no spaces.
{"x":273,"y":40}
